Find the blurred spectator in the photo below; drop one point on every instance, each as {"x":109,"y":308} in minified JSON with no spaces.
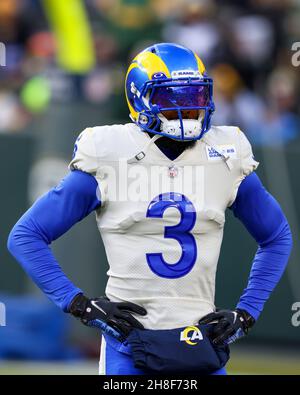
{"x":127,"y":21}
{"x":18,"y":21}
{"x":12,"y":116}
{"x":196,"y":28}
{"x":280,"y":124}
{"x":271,"y":121}
{"x":167,"y":9}
{"x":253,"y":39}
{"x":100,"y":85}
{"x":235,"y":103}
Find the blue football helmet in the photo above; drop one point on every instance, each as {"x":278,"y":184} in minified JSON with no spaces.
{"x":169,"y":93}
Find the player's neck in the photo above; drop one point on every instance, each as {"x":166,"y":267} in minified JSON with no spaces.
{"x":172,"y":148}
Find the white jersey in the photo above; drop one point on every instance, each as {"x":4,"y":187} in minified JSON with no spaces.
{"x":162,"y":220}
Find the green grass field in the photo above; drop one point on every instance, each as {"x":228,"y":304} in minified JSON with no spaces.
{"x":253,"y":362}
{"x":265,"y":363}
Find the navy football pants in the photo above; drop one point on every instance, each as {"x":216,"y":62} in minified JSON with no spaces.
{"x":114,"y":362}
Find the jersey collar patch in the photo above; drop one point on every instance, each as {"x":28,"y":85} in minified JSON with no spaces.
{"x":219,"y":151}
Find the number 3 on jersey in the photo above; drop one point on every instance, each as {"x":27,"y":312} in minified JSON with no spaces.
{"x":180,"y":232}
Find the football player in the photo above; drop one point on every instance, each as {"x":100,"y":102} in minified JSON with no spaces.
{"x":160,"y":186}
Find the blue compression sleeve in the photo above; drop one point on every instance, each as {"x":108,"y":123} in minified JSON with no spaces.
{"x":49,"y":218}
{"x":265,"y":221}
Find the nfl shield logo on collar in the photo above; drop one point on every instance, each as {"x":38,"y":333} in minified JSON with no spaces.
{"x":173,"y":171}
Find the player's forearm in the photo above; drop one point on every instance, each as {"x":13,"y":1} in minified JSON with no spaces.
{"x":268,"y":266}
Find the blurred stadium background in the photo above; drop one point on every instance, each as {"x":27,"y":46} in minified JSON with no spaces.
{"x":65,"y":66}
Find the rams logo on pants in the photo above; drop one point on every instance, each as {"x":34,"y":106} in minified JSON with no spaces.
{"x":191,"y":335}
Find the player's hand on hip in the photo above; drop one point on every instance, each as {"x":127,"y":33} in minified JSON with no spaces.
{"x":113,"y":318}
{"x":229,"y":325}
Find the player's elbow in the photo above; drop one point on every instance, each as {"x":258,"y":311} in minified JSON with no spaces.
{"x":19,"y":237}
{"x":13,"y":240}
{"x":288,"y":237}
{"x":283,"y":242}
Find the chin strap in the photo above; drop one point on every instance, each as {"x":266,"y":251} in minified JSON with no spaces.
{"x":141,"y":155}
